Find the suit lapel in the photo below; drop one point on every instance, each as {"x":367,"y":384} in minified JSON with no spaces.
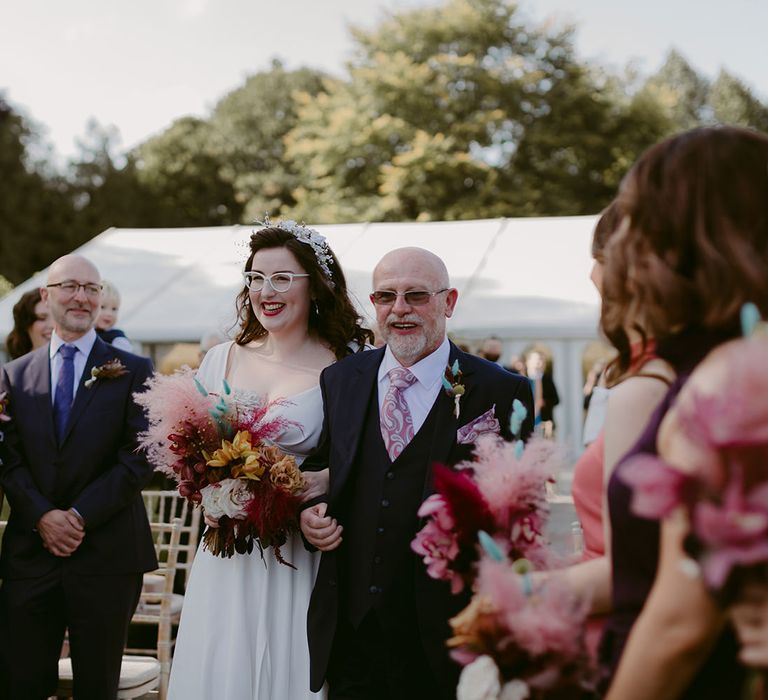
{"x":40,"y":372}
{"x":447,"y":424}
{"x":355,"y":410}
{"x":100,"y":354}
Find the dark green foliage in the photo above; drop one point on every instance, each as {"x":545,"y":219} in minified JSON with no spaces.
{"x":466,"y":110}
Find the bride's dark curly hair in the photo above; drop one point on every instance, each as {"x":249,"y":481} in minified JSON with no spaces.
{"x":332,"y":316}
{"x":692,"y":245}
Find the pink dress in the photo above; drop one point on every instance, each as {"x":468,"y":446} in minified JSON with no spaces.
{"x":587,"y":491}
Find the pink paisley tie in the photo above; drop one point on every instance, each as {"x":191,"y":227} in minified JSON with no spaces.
{"x":396,"y":420}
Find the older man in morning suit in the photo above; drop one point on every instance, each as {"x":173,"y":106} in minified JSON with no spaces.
{"x":78,"y":538}
{"x":377,"y":623}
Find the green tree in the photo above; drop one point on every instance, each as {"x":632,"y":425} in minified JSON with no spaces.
{"x":247,"y":130}
{"x":734,"y":103}
{"x":465,"y":111}
{"x":182,"y":172}
{"x":104,"y":187}
{"x":681,"y":92}
{"x":34,"y":209}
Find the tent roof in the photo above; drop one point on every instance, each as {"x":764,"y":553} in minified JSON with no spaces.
{"x":524,"y":277}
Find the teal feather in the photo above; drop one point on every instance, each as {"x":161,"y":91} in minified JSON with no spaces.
{"x":750,"y":317}
{"x":490,"y":546}
{"x":447,"y":385}
{"x":455,"y":368}
{"x":519,"y":410}
{"x":227,"y":388}
{"x":519,"y":447}
{"x":201,"y":388}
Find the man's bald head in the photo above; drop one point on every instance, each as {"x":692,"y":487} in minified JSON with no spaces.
{"x":73,"y":267}
{"x":418,"y":262}
{"x":413,"y":330}
{"x":73,"y":295}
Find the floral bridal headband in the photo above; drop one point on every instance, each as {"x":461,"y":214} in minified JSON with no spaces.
{"x":308,"y":236}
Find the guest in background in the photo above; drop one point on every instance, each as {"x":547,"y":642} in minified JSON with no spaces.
{"x":32,"y":325}
{"x":108,"y":312}
{"x":77,"y":540}
{"x":516,"y":365}
{"x":638,"y":384}
{"x":539,"y":371}
{"x":692,"y":249}
{"x":492,"y":349}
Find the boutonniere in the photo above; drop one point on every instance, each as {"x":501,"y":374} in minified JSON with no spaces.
{"x":109,"y":370}
{"x":453,"y":385}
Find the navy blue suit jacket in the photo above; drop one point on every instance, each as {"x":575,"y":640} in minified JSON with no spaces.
{"x":347,"y":388}
{"x":96,"y":469}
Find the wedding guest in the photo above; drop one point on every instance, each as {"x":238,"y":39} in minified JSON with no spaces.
{"x":78,"y":538}
{"x":32,"y":325}
{"x":693,"y":251}
{"x":636,"y":389}
{"x":491,"y":349}
{"x":378,"y":623}
{"x":243,"y":632}
{"x":108,"y":313}
{"x":538,"y":369}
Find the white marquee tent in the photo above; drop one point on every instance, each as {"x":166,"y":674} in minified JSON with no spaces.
{"x":523,"y":280}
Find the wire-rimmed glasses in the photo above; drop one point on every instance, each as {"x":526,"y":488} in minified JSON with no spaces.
{"x":416,"y":297}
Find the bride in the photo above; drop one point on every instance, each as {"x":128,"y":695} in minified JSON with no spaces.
{"x":243,"y":628}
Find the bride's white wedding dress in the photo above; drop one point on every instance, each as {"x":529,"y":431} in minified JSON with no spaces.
{"x":243,"y":631}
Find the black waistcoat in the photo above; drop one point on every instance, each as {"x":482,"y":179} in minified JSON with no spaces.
{"x":381,"y":521}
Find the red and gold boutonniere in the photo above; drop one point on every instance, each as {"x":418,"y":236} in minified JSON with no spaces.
{"x":453,"y":385}
{"x":109,"y":370}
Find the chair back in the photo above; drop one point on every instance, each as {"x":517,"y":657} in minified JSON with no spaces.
{"x":163,"y":507}
{"x":155,"y":606}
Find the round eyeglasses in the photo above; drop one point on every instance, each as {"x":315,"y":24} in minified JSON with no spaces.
{"x":279,"y":281}
{"x":414,"y":298}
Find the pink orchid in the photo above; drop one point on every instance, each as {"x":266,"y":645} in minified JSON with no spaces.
{"x":437,"y":543}
{"x":657,"y":488}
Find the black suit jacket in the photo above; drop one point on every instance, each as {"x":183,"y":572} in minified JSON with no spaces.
{"x":347,"y":388}
{"x":96,"y":469}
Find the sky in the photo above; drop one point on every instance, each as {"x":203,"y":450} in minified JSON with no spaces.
{"x":139,"y":65}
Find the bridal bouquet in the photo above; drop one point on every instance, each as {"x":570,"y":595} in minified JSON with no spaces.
{"x":501,"y":492}
{"x":520,"y":637}
{"x":220,"y":454}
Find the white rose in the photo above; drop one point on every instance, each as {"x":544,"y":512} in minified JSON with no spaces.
{"x":479,"y":680}
{"x":226,"y":497}
{"x":515,"y":690}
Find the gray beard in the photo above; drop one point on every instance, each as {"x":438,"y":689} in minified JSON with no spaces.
{"x":410,"y":350}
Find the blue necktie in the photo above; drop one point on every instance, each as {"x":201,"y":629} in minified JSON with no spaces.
{"x":62,"y":400}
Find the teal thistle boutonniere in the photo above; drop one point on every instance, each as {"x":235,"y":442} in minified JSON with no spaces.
{"x":109,"y":370}
{"x":453,"y":385}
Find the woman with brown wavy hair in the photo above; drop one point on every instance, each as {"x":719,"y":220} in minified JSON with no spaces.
{"x":243,"y":633}
{"x":692,"y":249}
{"x":32,"y":325}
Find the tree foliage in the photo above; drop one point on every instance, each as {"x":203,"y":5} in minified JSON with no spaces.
{"x":463,"y":110}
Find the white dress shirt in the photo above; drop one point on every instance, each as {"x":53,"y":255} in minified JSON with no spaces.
{"x":84,"y":346}
{"x":421,"y":395}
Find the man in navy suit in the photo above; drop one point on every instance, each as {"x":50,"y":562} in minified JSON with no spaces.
{"x":377,"y":623}
{"x":78,"y":538}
